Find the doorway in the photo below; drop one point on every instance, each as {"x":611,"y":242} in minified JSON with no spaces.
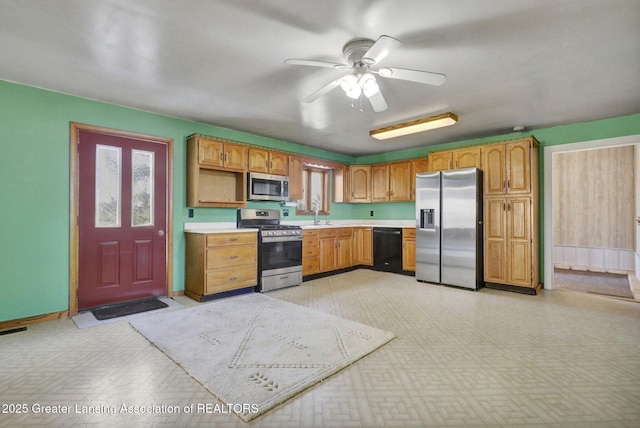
{"x":583,"y":246}
{"x":120,"y":217}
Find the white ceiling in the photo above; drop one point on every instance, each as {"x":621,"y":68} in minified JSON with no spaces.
{"x":508,"y":62}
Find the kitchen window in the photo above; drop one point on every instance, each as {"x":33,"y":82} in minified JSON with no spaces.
{"x":315,"y":191}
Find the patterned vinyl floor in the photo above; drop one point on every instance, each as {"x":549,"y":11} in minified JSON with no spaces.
{"x":461,"y":359}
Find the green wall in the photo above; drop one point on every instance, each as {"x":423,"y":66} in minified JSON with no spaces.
{"x":34,"y":184}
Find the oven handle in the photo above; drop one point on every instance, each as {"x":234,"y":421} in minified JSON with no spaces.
{"x":269,"y":239}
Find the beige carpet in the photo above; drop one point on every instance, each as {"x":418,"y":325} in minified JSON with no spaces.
{"x":254,"y":352}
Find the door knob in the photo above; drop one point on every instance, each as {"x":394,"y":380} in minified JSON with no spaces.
{"x":161,"y":233}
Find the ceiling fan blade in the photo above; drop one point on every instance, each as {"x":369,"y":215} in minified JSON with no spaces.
{"x":426,"y":77}
{"x":378,"y":102}
{"x":322,"y":91}
{"x":312,"y":63}
{"x":380,"y":49}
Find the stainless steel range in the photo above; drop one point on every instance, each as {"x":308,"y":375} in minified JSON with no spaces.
{"x":279,"y":248}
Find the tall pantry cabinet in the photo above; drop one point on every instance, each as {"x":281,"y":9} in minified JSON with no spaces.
{"x":511,"y":216}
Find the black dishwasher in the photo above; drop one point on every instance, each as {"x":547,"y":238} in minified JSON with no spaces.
{"x":387,"y":249}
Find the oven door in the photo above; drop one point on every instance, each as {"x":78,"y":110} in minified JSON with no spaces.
{"x":279,"y":253}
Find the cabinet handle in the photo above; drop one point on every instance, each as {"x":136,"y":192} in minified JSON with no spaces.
{"x":233,"y":257}
{"x":508,"y":206}
{"x":233,"y":239}
{"x":226,"y":157}
{"x":504,"y":184}
{"x":221,"y":157}
{"x":504,"y":206}
{"x":233,"y":279}
{"x":509,"y":184}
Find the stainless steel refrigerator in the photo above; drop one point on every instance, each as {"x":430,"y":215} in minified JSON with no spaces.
{"x":449,"y":228}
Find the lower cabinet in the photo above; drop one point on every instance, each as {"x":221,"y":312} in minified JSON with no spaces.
{"x":409,"y":249}
{"x":510,"y":256}
{"x":219,"y":262}
{"x":310,"y":252}
{"x":362,"y":246}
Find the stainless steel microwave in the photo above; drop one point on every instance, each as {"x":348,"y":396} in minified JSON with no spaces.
{"x":267,"y":187}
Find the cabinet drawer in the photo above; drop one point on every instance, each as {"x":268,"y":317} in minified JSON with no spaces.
{"x":409,"y":233}
{"x":310,"y":241}
{"x":345,"y":232}
{"x":327,"y":233}
{"x":310,"y":265}
{"x":232,"y":255}
{"x":309,"y":251}
{"x":231,"y":278}
{"x":217,"y":239}
{"x":309,"y":232}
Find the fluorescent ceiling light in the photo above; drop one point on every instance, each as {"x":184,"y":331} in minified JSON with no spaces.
{"x":414,"y":126}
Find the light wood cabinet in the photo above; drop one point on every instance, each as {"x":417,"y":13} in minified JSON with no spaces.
{"x":511,"y":219}
{"x":343,"y":254}
{"x":467,"y":158}
{"x":327,"y":248}
{"x":215,"y":173}
{"x":310,"y":252}
{"x":400,"y":181}
{"x":219,"y":262}
{"x":268,"y":162}
{"x":360,"y":183}
{"x":440,"y":161}
{"x":409,"y":249}
{"x":380,"y":183}
{"x":417,"y":166}
{"x":508,"y":168}
{"x":296,"y":164}
{"x":362,"y":246}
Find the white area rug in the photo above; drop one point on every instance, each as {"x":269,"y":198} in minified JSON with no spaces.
{"x":254,"y":352}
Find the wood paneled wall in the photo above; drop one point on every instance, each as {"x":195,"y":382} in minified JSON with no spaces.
{"x":594,"y":198}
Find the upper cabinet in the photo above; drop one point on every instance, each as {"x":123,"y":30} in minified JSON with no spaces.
{"x":467,"y":158}
{"x":380,"y":183}
{"x":296,"y":164}
{"x":507,"y":168}
{"x":268,"y":162}
{"x":440,"y":161}
{"x":220,"y":154}
{"x":360,"y":183}
{"x":215,"y":173}
{"x":401,"y":181}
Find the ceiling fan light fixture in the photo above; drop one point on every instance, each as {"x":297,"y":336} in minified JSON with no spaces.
{"x":368,"y":84}
{"x":414,"y":126}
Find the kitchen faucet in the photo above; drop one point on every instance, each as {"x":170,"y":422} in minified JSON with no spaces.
{"x":316,"y":219}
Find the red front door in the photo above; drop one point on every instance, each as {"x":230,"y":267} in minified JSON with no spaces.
{"x":122,"y":219}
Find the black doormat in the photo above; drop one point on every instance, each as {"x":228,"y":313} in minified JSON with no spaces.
{"x":129,"y":308}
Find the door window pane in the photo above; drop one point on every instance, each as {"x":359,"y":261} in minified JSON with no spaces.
{"x":108,"y":186}
{"x":142,"y":188}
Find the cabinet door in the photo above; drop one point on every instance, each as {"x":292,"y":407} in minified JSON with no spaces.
{"x":278,"y":163}
{"x":493,"y":165}
{"x":258,"y":160}
{"x":409,"y":249}
{"x":518,"y":167}
{"x":210,"y":152}
{"x":235,"y":156}
{"x":296,"y":164}
{"x":344,"y":252}
{"x":440,"y":161}
{"x":327,"y":254}
{"x":467,"y":158}
{"x":519,"y":241}
{"x":380,"y":183}
{"x":400,"y":181}
{"x":420,"y":165}
{"x":367,"y":246}
{"x":360,"y":183}
{"x":495,"y":246}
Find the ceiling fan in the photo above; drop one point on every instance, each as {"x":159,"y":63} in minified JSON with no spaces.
{"x":360,"y":56}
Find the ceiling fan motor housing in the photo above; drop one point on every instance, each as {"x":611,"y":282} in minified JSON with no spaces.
{"x":354,"y":50}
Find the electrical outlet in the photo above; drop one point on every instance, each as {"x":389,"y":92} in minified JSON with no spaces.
{"x":285,"y":212}
{"x":190,"y":212}
{"x":371,"y":213}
